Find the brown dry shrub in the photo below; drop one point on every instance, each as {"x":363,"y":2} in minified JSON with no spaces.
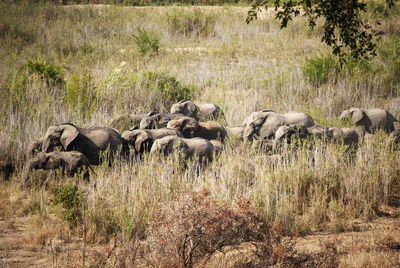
{"x":193,"y":226}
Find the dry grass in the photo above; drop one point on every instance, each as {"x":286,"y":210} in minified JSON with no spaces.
{"x":240,"y":67}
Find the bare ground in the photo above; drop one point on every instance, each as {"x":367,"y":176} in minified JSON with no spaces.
{"x":376,"y":242}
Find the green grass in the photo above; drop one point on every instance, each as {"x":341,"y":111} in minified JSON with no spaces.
{"x":82,"y":65}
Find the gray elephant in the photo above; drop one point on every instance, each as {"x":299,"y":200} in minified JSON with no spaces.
{"x":125,"y":122}
{"x":370,"y":120}
{"x":233,"y":132}
{"x":320,"y":132}
{"x":346,"y":136}
{"x":204,"y":111}
{"x":287,"y":133}
{"x":190,"y":128}
{"x":69,"y":162}
{"x":194,"y":147}
{"x":142,"y":139}
{"x":155,"y":120}
{"x":92,"y":142}
{"x":264,"y":124}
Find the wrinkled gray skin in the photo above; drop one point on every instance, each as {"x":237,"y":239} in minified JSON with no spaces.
{"x":143,"y":139}
{"x":204,"y":111}
{"x":89,"y":141}
{"x":125,"y":122}
{"x":35,"y":147}
{"x":69,"y":162}
{"x":190,"y":128}
{"x":158,"y":120}
{"x":265,"y":124}
{"x":286,"y":133}
{"x":320,"y":132}
{"x":194,"y":147}
{"x":346,"y":136}
{"x":370,"y":120}
{"x":235,"y":131}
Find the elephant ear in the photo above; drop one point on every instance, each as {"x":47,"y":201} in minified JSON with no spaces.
{"x":68,"y":135}
{"x":356,"y":115}
{"x":140,"y":139}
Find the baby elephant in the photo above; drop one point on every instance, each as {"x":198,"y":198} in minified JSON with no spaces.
{"x":190,"y":128}
{"x":69,"y":162}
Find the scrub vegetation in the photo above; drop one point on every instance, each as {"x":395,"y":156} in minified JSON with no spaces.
{"x":89,"y":64}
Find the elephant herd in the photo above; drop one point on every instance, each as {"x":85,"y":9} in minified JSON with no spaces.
{"x":195,"y":131}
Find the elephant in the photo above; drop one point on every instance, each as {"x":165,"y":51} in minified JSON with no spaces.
{"x":346,"y":135}
{"x":7,"y":168}
{"x":370,"y":120}
{"x":204,"y":111}
{"x":155,"y":120}
{"x":69,"y":162}
{"x":142,"y":139}
{"x":190,"y":128}
{"x":264,"y":124}
{"x":194,"y":147}
{"x":235,"y":131}
{"x":89,"y":141}
{"x":288,"y":132}
{"x":127,"y":121}
{"x":320,"y":132}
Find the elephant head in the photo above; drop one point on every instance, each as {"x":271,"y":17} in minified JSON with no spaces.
{"x":45,"y":161}
{"x":63,"y":135}
{"x":140,"y":139}
{"x":186,"y":125}
{"x":356,"y":115}
{"x":168,"y":144}
{"x":149,"y":121}
{"x":254,"y":123}
{"x":187,"y":108}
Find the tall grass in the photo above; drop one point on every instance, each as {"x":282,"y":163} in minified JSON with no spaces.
{"x":220,"y":59}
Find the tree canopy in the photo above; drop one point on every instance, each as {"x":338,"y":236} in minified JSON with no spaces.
{"x":345,"y":29}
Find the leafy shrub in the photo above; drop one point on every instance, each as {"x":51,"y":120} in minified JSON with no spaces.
{"x":53,"y":75}
{"x":146,"y":41}
{"x":389,"y":53}
{"x":318,"y":68}
{"x":69,"y":200}
{"x":194,"y":226}
{"x":196,"y":23}
{"x":79,"y":92}
{"x":166,"y":87}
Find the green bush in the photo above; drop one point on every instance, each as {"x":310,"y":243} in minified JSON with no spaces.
{"x":196,"y":23}
{"x":168,"y":89}
{"x":53,"y":75}
{"x":79,"y":92}
{"x":317,"y":69}
{"x":389,"y":54}
{"x":146,"y":41}
{"x":68,"y":199}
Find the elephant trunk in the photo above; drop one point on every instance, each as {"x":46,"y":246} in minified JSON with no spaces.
{"x":248,"y":133}
{"x":47,"y":146}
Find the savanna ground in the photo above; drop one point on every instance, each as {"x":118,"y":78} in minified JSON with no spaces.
{"x":89,"y":64}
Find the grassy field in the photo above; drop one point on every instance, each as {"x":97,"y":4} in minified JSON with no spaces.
{"x":89,"y":64}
